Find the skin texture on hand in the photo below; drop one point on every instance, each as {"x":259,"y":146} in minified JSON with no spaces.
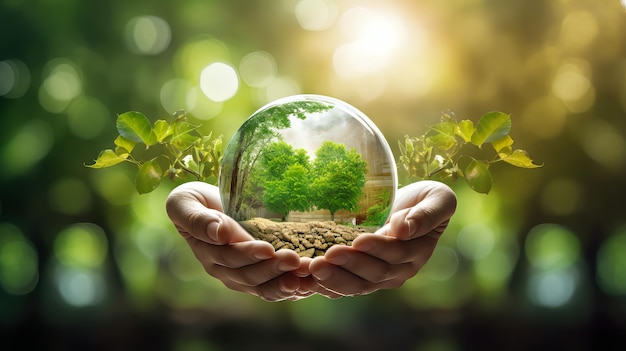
{"x":382,"y":260}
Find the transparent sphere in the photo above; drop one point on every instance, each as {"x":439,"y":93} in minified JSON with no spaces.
{"x":308,"y":172}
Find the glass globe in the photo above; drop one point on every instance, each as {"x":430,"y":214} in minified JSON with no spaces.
{"x":308,"y":172}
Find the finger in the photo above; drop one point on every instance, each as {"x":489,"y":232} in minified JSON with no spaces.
{"x":234,"y":256}
{"x":369,"y":267}
{"x":261,"y":272}
{"x":394,"y":251}
{"x":343,"y":282}
{"x":303,"y":270}
{"x":310,"y":286}
{"x":277,"y":289}
{"x":421,"y":208}
{"x":195,"y":209}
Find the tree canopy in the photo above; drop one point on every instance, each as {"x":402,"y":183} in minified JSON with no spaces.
{"x":338,"y":178}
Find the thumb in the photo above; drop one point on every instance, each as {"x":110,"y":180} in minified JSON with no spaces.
{"x":188,"y":208}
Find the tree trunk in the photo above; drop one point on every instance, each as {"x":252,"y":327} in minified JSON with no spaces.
{"x":234,"y":203}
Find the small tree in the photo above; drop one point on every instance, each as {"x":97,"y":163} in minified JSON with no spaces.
{"x":289,"y":193}
{"x":338,"y":178}
{"x":283,"y":174}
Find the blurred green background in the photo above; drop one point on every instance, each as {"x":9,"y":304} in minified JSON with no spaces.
{"x":539,"y":263}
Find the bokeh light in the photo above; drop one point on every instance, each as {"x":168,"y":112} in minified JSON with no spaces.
{"x":258,"y":69}
{"x":80,"y":287}
{"x":200,"y":106}
{"x":63,"y":82}
{"x":553,"y":252}
{"x":196,"y":54}
{"x":87,"y":117}
{"x":174,"y":94}
{"x":81,"y":246}
{"x":219,"y":81}
{"x":611,"y":264}
{"x":113,"y":185}
{"x":604,"y":144}
{"x":26,"y":147}
{"x":553,"y":288}
{"x":551,"y":246}
{"x":316,"y":15}
{"x":493,"y":272}
{"x":573,"y":86}
{"x":139,"y":272}
{"x":578,"y":30}
{"x":475,"y":241}
{"x":19,"y":261}
{"x":148,"y":35}
{"x":14,"y":78}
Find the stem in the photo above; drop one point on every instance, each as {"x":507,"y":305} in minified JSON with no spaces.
{"x":188,"y":170}
{"x":438,"y":169}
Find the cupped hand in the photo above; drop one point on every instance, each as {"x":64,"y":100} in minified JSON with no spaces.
{"x":383,"y":260}
{"x":395,"y":253}
{"x":226,"y":251}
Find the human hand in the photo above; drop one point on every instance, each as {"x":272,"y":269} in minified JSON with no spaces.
{"x":226,"y":251}
{"x":395,"y":253}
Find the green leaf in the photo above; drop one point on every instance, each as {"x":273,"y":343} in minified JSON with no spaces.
{"x":500,"y":144}
{"x":162,"y":130}
{"x":108,"y":158}
{"x":442,"y":136}
{"x":181,"y":137}
{"x":478,"y":176}
{"x":408,"y":144}
{"x":124,"y":144}
{"x":519,"y":158}
{"x":135,"y":126}
{"x":491,"y":126}
{"x":217,"y":147}
{"x":148,"y":177}
{"x":465,"y":129}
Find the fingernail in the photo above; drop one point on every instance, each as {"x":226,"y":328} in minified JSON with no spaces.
{"x":286,"y":267}
{"x":339,"y":260}
{"x":213,"y":230}
{"x":412,"y":226}
{"x":263,"y":255}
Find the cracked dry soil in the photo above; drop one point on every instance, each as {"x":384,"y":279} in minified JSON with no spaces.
{"x":308,"y":239}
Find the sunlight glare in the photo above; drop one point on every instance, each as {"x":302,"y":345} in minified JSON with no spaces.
{"x":372,"y":39}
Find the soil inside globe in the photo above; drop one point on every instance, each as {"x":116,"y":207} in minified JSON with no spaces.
{"x":308,"y":239}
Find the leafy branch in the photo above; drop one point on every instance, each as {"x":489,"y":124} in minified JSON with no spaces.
{"x":177,"y":150}
{"x":440,"y":154}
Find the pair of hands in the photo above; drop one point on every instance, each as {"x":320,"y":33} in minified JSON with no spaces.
{"x":382,"y":260}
